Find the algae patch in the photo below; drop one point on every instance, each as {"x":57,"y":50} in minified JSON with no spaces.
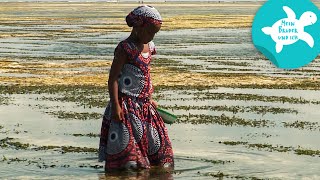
{"x":4,"y":100}
{"x":221,"y":175}
{"x":278,"y":148}
{"x":91,"y":135}
{"x":9,"y":143}
{"x":252,"y":97}
{"x":303,"y":125}
{"x":223,"y":120}
{"x":76,"y":115}
{"x":234,"y":109}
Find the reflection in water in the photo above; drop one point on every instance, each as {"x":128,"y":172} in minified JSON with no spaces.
{"x":146,"y":174}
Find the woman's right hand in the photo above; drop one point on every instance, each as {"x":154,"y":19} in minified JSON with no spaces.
{"x":117,"y":113}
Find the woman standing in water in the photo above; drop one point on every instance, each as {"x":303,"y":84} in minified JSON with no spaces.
{"x":133,"y":135}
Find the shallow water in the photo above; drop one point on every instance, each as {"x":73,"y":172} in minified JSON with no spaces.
{"x":211,"y":50}
{"x":221,"y":132}
{"x":27,"y":121}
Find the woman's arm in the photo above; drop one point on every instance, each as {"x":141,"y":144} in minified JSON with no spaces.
{"x":155,"y":104}
{"x":120,"y":58}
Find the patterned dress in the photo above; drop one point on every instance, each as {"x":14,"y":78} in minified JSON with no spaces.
{"x":141,"y":140}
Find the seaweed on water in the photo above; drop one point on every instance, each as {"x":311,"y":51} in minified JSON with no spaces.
{"x":4,"y":100}
{"x":9,"y":160}
{"x":232,"y":63}
{"x":76,"y":115}
{"x":234,"y":109}
{"x":221,"y":175}
{"x":252,"y":97}
{"x":86,"y":101}
{"x":96,"y":166}
{"x":85,"y":96}
{"x":159,"y":88}
{"x":279,"y":148}
{"x":91,"y":135}
{"x":38,"y":162}
{"x":9,"y":143}
{"x":233,"y":143}
{"x":223,"y":120}
{"x":216,"y":161}
{"x":303,"y":125}
{"x":308,"y":152}
{"x":53,"y":89}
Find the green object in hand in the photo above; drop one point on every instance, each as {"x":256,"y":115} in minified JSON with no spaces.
{"x":166,"y":116}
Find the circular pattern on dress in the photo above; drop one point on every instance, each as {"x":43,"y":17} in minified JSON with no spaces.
{"x":131,"y":165}
{"x":118,"y":138}
{"x":127,"y":81}
{"x":137,"y":127}
{"x":132,"y":80}
{"x":113,"y":136}
{"x":153,"y":140}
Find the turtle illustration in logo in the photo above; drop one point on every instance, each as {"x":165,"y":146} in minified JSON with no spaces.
{"x":289,"y":30}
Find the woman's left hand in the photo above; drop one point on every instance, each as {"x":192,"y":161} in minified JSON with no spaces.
{"x":154,"y":103}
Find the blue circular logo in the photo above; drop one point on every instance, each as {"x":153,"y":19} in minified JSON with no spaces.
{"x":287,"y":32}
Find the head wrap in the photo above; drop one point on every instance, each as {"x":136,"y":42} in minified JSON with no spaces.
{"x":143,"y":15}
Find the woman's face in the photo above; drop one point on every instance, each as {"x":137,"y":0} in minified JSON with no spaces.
{"x":146,"y":33}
